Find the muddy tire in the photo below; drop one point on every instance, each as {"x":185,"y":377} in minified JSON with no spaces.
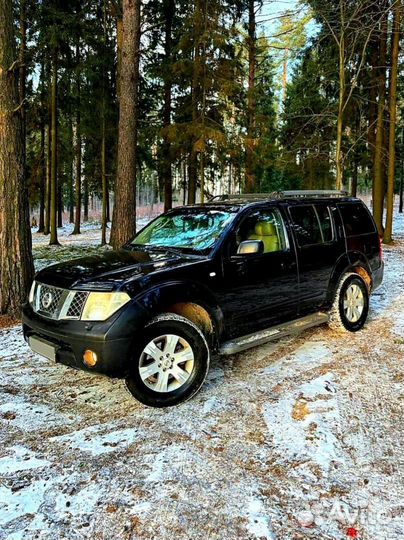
{"x":170,"y":362}
{"x":351,"y":304}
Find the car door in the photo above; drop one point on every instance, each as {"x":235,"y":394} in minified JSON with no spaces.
{"x":318,"y":248}
{"x":261,"y":289}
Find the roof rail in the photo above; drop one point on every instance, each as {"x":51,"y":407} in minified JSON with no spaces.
{"x":298,"y":193}
{"x":315,"y":193}
{"x":246,"y":196}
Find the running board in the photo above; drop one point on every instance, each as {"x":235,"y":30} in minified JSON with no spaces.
{"x":275,"y":332}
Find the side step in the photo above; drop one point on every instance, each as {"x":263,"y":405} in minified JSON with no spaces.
{"x":270,"y":334}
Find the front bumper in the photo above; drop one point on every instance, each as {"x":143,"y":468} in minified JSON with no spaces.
{"x":71,"y":338}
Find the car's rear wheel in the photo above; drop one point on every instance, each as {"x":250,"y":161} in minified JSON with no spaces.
{"x":170,"y":363}
{"x":351,"y":304}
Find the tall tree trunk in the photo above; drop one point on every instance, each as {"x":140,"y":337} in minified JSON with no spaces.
{"x":23,"y":77}
{"x":124,"y":215}
{"x":16,"y":265}
{"x":395,"y":46}
{"x":54,"y":184}
{"x":192,"y":177}
{"x":378,"y":180}
{"x":108,"y":206}
{"x":401,"y":201}
{"x":372,"y":122}
{"x":285,"y":75}
{"x":85,"y":199}
{"x":354,"y":183}
{"x":70,"y":174}
{"x":104,"y":181}
{"x":166,"y":163}
{"x":48,"y":179}
{"x":42,"y":183}
{"x":252,"y":60}
{"x":199,"y":10}
{"x":60,"y":207}
{"x":341,"y":102}
{"x":77,"y":216}
{"x":119,"y":39}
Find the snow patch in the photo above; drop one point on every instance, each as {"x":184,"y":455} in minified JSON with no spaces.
{"x":20,"y":459}
{"x":89,"y":441}
{"x":258,"y":522}
{"x":310,"y":435}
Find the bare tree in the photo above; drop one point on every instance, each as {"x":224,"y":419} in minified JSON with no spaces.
{"x":395,"y":46}
{"x":351,"y":25}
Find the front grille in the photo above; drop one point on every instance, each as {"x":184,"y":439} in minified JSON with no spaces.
{"x":57,"y":303}
{"x":49,"y":300}
{"x":77,"y":304}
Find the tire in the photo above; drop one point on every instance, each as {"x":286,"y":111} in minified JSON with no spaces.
{"x":351,"y":304}
{"x":170,"y":362}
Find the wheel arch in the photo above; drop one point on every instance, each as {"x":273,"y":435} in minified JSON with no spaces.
{"x":354,"y":262}
{"x":191,"y":300}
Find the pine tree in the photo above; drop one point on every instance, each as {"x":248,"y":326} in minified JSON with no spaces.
{"x":124,"y":216}
{"x":16,"y":266}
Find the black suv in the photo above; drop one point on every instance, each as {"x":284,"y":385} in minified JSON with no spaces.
{"x":214,"y":278}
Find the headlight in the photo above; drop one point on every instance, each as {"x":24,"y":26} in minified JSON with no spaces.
{"x":31,"y":293}
{"x":101,"y":305}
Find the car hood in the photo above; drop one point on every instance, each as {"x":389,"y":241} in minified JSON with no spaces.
{"x":111,"y":269}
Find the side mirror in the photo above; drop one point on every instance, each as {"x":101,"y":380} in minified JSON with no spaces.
{"x":250,"y":247}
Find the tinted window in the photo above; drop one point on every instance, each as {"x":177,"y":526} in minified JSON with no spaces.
{"x":264,"y":225}
{"x":325,"y":219}
{"x":306,"y":225}
{"x":356,"y":219}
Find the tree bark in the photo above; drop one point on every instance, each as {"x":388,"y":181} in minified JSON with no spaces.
{"x":378,"y":180}
{"x":395,"y":47}
{"x":77,"y":216}
{"x":252,"y":59}
{"x":16,"y":265}
{"x":192,"y":177}
{"x":285,"y":75}
{"x":104,"y":182}
{"x":124,"y":214}
{"x":48,"y":179}
{"x":85,"y":199}
{"x":401,"y":197}
{"x":42,"y":183}
{"x":119,"y":39}
{"x":70,"y":175}
{"x":166,"y":164}
{"x":372,"y":123}
{"x":53,"y":183}
{"x":23,"y":77}
{"x":341,"y":102}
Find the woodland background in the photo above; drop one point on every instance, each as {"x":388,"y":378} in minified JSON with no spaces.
{"x":136,"y":102}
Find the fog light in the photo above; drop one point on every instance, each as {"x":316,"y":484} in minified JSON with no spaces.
{"x":89,"y":358}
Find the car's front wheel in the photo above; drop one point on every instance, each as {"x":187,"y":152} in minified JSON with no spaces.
{"x":351,"y":304}
{"x":170,"y":362}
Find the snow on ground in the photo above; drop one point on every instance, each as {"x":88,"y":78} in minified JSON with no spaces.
{"x":298,"y":439}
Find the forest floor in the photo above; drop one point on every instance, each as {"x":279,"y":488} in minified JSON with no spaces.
{"x":292,"y":440}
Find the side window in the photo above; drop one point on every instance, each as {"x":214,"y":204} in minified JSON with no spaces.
{"x":325,"y":219}
{"x":264,"y":225}
{"x":306,"y":225}
{"x":356,"y":219}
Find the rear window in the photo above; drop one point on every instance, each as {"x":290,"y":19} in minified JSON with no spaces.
{"x":312,"y":225}
{"x":356,"y":219}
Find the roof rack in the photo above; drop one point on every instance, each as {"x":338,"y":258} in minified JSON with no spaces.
{"x":298,"y":193}
{"x":315,"y":193}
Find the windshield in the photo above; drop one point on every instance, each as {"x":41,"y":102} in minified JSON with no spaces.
{"x":186,"y":229}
